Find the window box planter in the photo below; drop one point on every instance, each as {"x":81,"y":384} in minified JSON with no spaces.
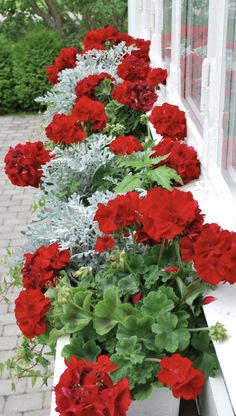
{"x":160,"y":403}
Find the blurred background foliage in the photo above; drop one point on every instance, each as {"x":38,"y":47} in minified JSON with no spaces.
{"x":31,"y":34}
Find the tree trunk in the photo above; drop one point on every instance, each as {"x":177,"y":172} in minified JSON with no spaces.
{"x":56,"y":15}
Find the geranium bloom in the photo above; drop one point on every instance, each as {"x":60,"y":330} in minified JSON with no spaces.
{"x":125,"y":145}
{"x":182,"y":158}
{"x":85,"y":388}
{"x":30,"y":309}
{"x":40,"y":267}
{"x":167,"y":214}
{"x":65,"y":59}
{"x":118,"y":213}
{"x":215,"y":255}
{"x":169,"y":121}
{"x":133,"y":69}
{"x":137,"y":297}
{"x":90,"y":111}
{"x":86,"y":86}
{"x":103,"y":243}
{"x":23,"y":163}
{"x":65,"y":129}
{"x":138,"y":95}
{"x":179,"y":374}
{"x":97,"y":38}
{"x":156,"y":76}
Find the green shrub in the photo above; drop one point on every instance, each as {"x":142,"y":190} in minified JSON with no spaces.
{"x":36,"y":50}
{"x":7,"y":85}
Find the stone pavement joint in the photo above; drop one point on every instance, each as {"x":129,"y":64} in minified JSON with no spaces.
{"x":15,"y":214}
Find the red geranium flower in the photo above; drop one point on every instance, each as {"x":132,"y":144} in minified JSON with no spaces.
{"x":119,"y":213}
{"x":156,"y":76}
{"x":40,"y":267}
{"x":169,"y":120}
{"x":133,"y":68}
{"x":23,"y":163}
{"x":65,"y":129}
{"x":86,"y":86}
{"x":167,"y":214}
{"x":182,"y":158}
{"x":215,"y":255}
{"x":30,"y":309}
{"x":85,"y":388}
{"x":97,"y":38}
{"x":103,"y":243}
{"x":208,"y":299}
{"x":137,"y":95}
{"x":65,"y":59}
{"x":90,"y":111}
{"x":179,"y":374}
{"x":125,"y":145}
{"x":143,"y":49}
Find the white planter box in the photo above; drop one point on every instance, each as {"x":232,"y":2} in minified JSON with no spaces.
{"x":160,"y":403}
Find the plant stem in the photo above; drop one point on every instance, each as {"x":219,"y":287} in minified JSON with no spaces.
{"x":190,"y":289}
{"x":161,"y":252}
{"x":198,"y":329}
{"x":154,"y":360}
{"x":176,"y":244}
{"x":130,"y":269}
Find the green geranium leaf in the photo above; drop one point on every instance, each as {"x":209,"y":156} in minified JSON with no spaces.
{"x":208,"y":363}
{"x":140,"y":327}
{"x":169,"y":293}
{"x":164,"y":176}
{"x":130,"y":350}
{"x":156,"y":303}
{"x":74,"y":319}
{"x":142,"y":391}
{"x":107,"y":312}
{"x":81,"y":349}
{"x":167,"y":336}
{"x":128,"y":285}
{"x":129,"y":183}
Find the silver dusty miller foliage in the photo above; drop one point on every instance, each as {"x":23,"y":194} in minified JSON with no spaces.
{"x":62,"y":96}
{"x":70,"y":224}
{"x":78,"y":162}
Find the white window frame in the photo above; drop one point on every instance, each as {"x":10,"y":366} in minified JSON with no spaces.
{"x":214,"y":193}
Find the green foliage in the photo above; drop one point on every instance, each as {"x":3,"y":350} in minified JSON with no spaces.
{"x":8,"y":101}
{"x":32,"y":54}
{"x":144,"y":164}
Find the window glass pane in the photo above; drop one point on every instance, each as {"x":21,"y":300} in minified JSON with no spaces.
{"x":194,"y":30}
{"x":229,"y":119}
{"x":166,"y":33}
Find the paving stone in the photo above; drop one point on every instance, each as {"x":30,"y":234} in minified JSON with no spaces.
{"x":6,"y":390}
{"x":2,"y":403}
{"x":43,"y":412}
{"x":7,"y":343}
{"x":24,"y":402}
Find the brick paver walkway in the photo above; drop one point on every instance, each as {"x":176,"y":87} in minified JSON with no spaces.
{"x":15,"y":213}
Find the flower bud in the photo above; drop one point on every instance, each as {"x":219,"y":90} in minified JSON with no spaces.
{"x":218,"y":332}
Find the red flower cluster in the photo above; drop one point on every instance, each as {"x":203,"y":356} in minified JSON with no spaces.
{"x":182,"y":158}
{"x":156,"y":76}
{"x":169,"y":121}
{"x":24,"y":162}
{"x":85,"y":388}
{"x":91,"y":112}
{"x":30,"y":309}
{"x":65,"y":59}
{"x":125,"y":145}
{"x":138,"y":95}
{"x":40,"y":267}
{"x":215,"y":255}
{"x":119,"y":213}
{"x":65,"y":129}
{"x":167,"y":214}
{"x":107,"y":36}
{"x":86,"y":86}
{"x":179,"y":374}
{"x":103,"y":243}
{"x":97,"y":38}
{"x":133,"y":68}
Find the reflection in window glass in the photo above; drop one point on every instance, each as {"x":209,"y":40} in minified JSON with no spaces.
{"x":194,"y":29}
{"x":166,"y":33}
{"x":229,"y":120}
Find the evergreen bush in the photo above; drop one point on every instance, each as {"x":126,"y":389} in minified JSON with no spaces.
{"x":7,"y":96}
